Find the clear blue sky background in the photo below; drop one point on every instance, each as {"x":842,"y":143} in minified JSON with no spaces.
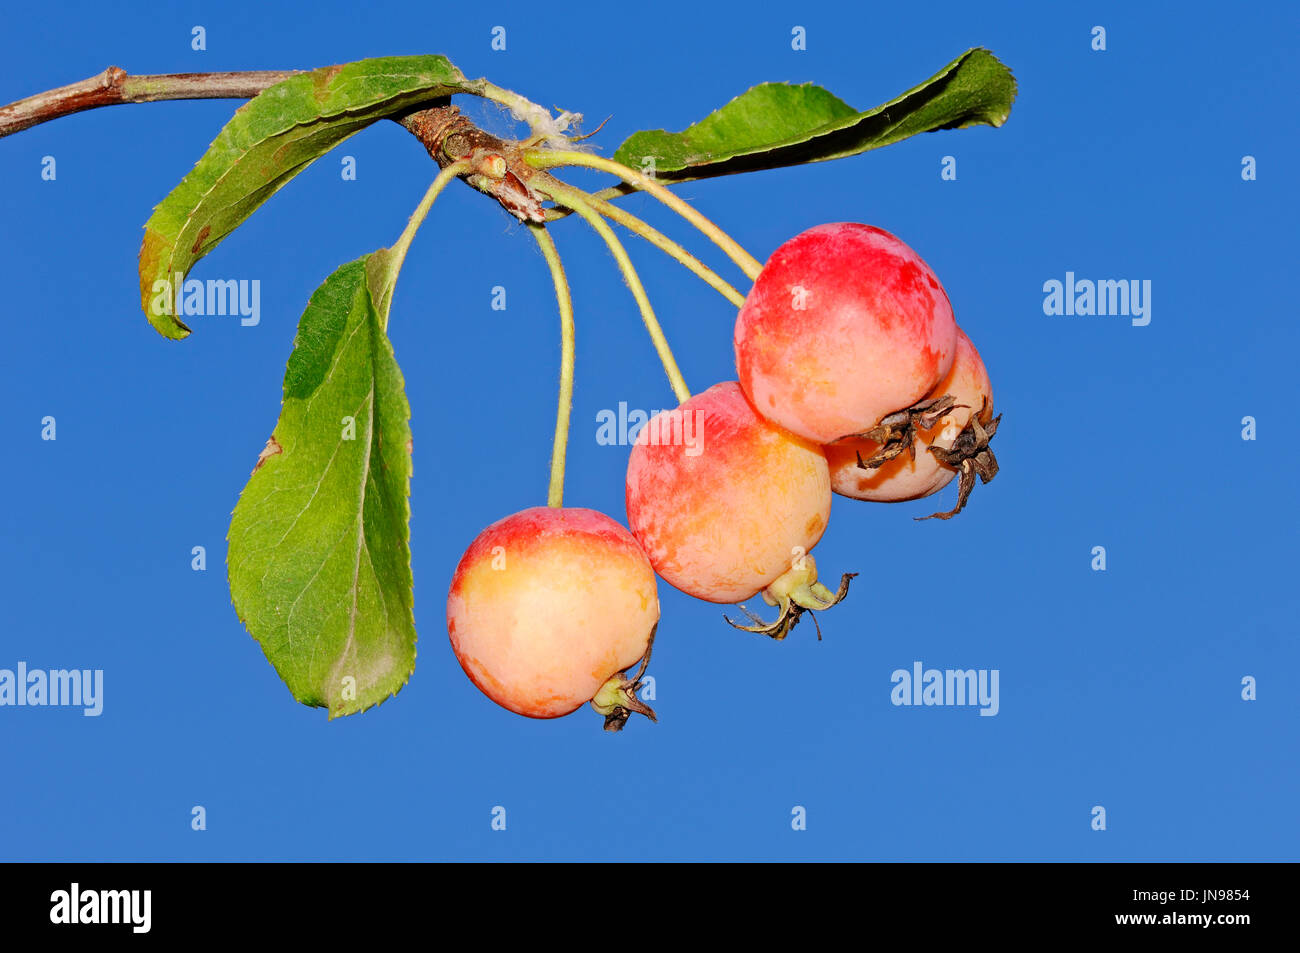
{"x":1119,"y":689}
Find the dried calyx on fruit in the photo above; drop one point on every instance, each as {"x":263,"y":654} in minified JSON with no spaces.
{"x":916,"y":452}
{"x":897,"y":433}
{"x":795,"y":592}
{"x":970,"y":456}
{"x":618,"y":697}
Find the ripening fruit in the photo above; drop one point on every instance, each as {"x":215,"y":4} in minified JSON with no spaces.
{"x":844,"y":325}
{"x":723,"y":500}
{"x":548,"y":607}
{"x":915,"y":471}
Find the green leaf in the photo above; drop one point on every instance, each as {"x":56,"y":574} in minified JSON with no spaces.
{"x":319,"y":555}
{"x":779,"y":124}
{"x":268,"y":141}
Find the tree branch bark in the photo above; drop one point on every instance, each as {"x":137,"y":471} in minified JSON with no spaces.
{"x":449,"y":137}
{"x":443,"y":130}
{"x":115,"y":86}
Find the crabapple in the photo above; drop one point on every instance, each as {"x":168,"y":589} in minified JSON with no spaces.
{"x":733,"y":511}
{"x":844,"y":325}
{"x":904,"y":468}
{"x":548,"y":607}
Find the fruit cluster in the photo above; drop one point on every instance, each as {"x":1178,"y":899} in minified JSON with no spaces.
{"x":853,"y":378}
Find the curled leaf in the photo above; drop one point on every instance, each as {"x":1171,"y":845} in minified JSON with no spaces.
{"x":268,"y":141}
{"x":782,"y":124}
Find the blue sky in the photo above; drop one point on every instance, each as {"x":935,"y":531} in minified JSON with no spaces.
{"x":1119,"y":688}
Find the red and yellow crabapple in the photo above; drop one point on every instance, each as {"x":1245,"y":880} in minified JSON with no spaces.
{"x":733,"y":511}
{"x":907,"y":470}
{"x":844,"y":325}
{"x":549,"y":607}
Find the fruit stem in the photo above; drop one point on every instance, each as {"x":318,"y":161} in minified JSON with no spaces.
{"x":576,"y":200}
{"x":551,"y":158}
{"x":397,"y":253}
{"x":555,"y":495}
{"x":664,"y":244}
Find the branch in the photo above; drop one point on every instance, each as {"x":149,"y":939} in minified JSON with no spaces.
{"x":447,"y":135}
{"x":115,"y":86}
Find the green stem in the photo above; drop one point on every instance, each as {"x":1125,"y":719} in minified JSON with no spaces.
{"x":667,"y":246}
{"x":551,"y":158}
{"x":607,"y":194}
{"x":397,"y":253}
{"x":576,"y":200}
{"x":422,"y":210}
{"x":555,"y":496}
